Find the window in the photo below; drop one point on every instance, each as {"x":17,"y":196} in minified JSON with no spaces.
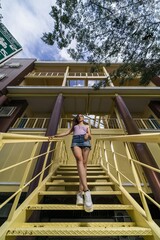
{"x":76,"y":83}
{"x":92,"y":82}
{"x":6,"y":111}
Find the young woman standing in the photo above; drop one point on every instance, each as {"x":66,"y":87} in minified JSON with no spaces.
{"x":81,"y":147}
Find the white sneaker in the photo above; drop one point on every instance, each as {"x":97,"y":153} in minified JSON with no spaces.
{"x":88,"y":205}
{"x":79,"y":200}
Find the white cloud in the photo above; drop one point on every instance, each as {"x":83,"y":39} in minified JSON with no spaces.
{"x":27,"y":20}
{"x":64,"y":55}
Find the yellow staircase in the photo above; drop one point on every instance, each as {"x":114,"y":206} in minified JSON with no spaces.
{"x":113,"y":217}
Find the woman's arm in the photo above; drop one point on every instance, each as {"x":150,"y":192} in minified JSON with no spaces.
{"x":65,"y":133}
{"x":88,"y":134}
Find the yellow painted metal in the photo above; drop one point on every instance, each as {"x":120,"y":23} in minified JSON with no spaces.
{"x":68,"y":193}
{"x":116,"y":165}
{"x":145,"y":137}
{"x":80,"y":224}
{"x":140,"y":213}
{"x":21,"y":163}
{"x":108,"y":79}
{"x":60,"y":183}
{"x":23,"y":181}
{"x":121,"y":125}
{"x":74,"y":167}
{"x":75,"y":207}
{"x":44,"y":164}
{"x":145,"y":225}
{"x":20,"y":215}
{"x":65,"y":77}
{"x":138,"y":184}
{"x":75,"y":172}
{"x":79,"y":231}
{"x":80,"y":94}
{"x":71,"y":178}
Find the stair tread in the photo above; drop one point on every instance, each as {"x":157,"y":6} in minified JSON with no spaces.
{"x":75,"y":207}
{"x":75,"y":169}
{"x":77,"y":177}
{"x":75,"y":192}
{"x":88,"y":165}
{"x":76,"y":172}
{"x":51,"y":229}
{"x":77,"y":183}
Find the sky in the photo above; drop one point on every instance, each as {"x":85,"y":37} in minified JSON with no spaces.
{"x":27,"y":20}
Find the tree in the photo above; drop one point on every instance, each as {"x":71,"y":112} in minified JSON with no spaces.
{"x":105,"y":31}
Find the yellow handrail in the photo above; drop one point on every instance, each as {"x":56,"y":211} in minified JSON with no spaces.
{"x":7,"y":138}
{"x":103,"y":158}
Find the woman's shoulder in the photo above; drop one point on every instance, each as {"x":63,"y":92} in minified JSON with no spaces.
{"x":85,"y":125}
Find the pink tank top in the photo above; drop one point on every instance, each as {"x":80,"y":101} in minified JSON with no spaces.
{"x":79,"y":130}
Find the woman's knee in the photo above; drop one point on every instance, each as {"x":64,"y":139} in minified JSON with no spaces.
{"x":79,"y":160}
{"x":85,"y":164}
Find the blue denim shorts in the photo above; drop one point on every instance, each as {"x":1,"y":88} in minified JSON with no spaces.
{"x":78,"y":140}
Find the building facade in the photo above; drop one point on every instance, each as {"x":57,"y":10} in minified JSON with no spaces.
{"x":39,"y":99}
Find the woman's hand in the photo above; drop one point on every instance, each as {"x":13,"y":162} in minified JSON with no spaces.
{"x":50,"y":138}
{"x":87,"y":137}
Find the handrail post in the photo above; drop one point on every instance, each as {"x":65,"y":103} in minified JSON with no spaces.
{"x":106,"y":157}
{"x":116,"y":165}
{"x":44,"y":164}
{"x":138,"y":184}
{"x":25,"y":175}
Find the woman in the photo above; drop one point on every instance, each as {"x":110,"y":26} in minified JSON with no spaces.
{"x":81,"y":147}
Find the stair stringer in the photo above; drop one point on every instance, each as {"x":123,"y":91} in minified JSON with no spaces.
{"x":138,"y":214}
{"x":21,"y":215}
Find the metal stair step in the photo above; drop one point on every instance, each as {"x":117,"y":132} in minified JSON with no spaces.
{"x":68,"y":193}
{"x":75,"y":207}
{"x":76,"y":172}
{"x":78,"y":229}
{"x":77,"y":177}
{"x":74,"y":165}
{"x":75,"y":168}
{"x":56,"y":183}
{"x":78,"y":224}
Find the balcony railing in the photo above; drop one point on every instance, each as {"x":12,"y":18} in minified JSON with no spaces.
{"x":70,"y":74}
{"x":33,"y":123}
{"x":147,"y":123}
{"x":100,"y":123}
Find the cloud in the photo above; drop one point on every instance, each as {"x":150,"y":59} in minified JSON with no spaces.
{"x":27,"y":20}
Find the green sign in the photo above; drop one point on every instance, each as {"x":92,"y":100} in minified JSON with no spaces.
{"x":8,"y":44}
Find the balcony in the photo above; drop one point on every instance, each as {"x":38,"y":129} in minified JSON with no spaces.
{"x":144,"y":124}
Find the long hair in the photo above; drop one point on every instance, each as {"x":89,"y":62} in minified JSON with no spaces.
{"x":75,"y":120}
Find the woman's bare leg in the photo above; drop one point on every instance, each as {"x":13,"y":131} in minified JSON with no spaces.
{"x":77,"y":151}
{"x":85,"y":154}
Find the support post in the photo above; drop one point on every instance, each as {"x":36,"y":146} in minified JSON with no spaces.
{"x":51,"y":130}
{"x":141,"y":149}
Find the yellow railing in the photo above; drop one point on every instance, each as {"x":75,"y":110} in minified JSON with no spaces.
{"x":69,"y":75}
{"x":45,"y":74}
{"x":105,"y":154}
{"x":59,"y":156}
{"x":97,"y":122}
